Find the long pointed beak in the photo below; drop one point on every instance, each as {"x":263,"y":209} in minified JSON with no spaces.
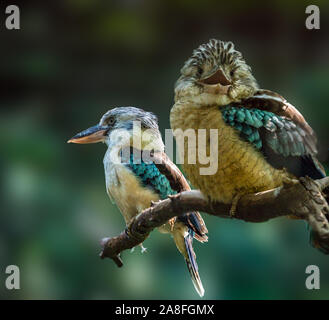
{"x":91,"y":135}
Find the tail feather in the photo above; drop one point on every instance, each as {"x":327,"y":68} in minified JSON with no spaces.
{"x":192,"y":264}
{"x":194,"y":221}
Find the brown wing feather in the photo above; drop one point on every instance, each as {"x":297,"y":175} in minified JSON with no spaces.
{"x":178,"y":183}
{"x":273,"y":102}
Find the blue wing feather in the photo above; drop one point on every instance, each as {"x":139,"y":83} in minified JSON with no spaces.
{"x":283,"y":143}
{"x":150,"y":176}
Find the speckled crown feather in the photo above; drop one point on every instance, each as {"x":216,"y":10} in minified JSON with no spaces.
{"x":214,"y":53}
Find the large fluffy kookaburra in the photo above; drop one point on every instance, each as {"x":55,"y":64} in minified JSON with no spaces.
{"x":263,"y":140}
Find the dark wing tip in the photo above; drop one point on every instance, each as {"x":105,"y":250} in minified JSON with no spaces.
{"x":194,"y":221}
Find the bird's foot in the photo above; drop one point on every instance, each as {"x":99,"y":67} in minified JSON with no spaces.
{"x":172,"y":223}
{"x":143,"y":249}
{"x":234,"y":205}
{"x":287,"y":180}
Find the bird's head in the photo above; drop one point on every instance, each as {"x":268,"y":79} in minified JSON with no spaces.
{"x":123,"y":126}
{"x":216,"y":73}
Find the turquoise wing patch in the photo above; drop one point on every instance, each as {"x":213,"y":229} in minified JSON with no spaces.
{"x":265,"y":129}
{"x":247,"y":122}
{"x":150,"y":176}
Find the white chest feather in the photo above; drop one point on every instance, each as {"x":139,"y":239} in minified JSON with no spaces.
{"x":125,"y":189}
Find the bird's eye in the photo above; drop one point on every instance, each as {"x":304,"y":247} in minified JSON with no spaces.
{"x":110,"y":121}
{"x":200,"y":71}
{"x":232,"y":73}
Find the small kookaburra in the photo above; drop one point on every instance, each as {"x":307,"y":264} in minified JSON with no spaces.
{"x":138,"y":172}
{"x":263,"y":141}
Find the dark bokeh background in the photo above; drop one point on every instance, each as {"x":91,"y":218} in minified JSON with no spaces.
{"x":71,"y":61}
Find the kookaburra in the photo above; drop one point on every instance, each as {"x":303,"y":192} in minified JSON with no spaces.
{"x":138,"y":172}
{"x":263,"y":141}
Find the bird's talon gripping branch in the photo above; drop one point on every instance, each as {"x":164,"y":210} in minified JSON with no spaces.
{"x":234,"y":205}
{"x":143,"y":249}
{"x":172,"y":223}
{"x":287,"y":181}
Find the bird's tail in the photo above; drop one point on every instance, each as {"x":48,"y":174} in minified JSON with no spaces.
{"x":183,"y":237}
{"x":192,"y":264}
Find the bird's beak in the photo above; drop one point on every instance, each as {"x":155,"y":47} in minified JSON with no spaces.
{"x":216,"y":82}
{"x":91,"y":135}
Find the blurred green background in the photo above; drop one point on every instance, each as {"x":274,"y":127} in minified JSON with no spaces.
{"x":71,"y":61}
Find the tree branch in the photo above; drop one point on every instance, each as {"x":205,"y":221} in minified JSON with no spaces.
{"x":301,"y":198}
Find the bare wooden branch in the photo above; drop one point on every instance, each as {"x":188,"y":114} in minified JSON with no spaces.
{"x":301,"y":198}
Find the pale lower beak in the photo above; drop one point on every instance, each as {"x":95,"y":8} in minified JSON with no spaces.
{"x":91,"y":135}
{"x":216,"y":83}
